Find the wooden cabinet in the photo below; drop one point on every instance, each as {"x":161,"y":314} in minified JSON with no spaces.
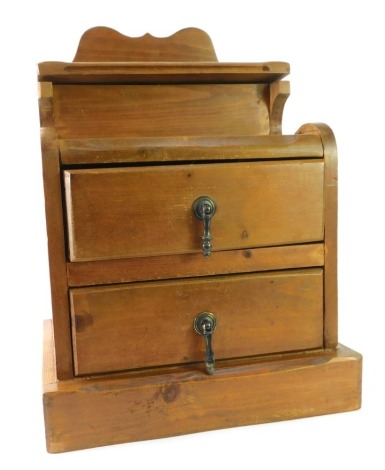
{"x":192,"y":246}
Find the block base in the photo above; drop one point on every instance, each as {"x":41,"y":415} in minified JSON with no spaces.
{"x":116,"y":408}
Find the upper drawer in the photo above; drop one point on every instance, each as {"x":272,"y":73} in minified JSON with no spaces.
{"x":146,"y":211}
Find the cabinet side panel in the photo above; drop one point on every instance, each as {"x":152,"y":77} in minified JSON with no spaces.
{"x":55,"y":233}
{"x":330,"y":216}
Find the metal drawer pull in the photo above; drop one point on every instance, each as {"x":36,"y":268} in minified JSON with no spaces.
{"x":205,"y":324}
{"x":204,"y":208}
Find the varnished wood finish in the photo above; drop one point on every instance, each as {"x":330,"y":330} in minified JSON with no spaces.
{"x":49,"y":370}
{"x":97,"y":411}
{"x":162,"y":73}
{"x":103,"y":44}
{"x":83,"y":111}
{"x":134,"y":131}
{"x":279,"y":93}
{"x":168,"y":267}
{"x":116,"y":213}
{"x":330,"y":208}
{"x":151,"y":324}
{"x":165,"y":149}
{"x":55,"y":233}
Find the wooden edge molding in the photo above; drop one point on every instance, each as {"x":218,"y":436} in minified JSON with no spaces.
{"x":161,"y":73}
{"x":154,"y":149}
{"x":330,"y":223}
{"x":94,"y":411}
{"x":168,"y":267}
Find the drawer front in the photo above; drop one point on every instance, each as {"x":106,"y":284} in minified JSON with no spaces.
{"x":151,"y":324}
{"x":147,"y":211}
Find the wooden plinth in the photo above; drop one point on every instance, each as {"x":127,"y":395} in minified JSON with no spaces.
{"x":102,"y":410}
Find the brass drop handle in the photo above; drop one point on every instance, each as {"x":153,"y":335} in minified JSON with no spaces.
{"x":204,"y":208}
{"x":205,"y":324}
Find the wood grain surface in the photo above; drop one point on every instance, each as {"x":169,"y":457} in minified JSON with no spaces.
{"x":55,"y":233}
{"x":331,"y":223}
{"x":101,"y":44}
{"x":169,"y":267}
{"x":133,"y":132}
{"x":86,"y":111}
{"x":151,"y":324}
{"x":161,"y":72}
{"x":94,"y":151}
{"x":113,"y":409}
{"x":128,"y":212}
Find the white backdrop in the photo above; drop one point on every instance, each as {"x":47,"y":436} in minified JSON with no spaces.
{"x":337,"y":66}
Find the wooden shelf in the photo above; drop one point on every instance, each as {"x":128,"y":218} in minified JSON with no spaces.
{"x":162,"y":72}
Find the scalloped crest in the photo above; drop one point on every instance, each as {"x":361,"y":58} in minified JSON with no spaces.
{"x":103,"y":44}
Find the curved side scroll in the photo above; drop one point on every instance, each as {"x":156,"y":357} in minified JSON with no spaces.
{"x":330,"y":220}
{"x":279,"y":93}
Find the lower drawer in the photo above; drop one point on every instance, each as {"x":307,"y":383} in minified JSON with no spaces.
{"x":151,"y":324}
